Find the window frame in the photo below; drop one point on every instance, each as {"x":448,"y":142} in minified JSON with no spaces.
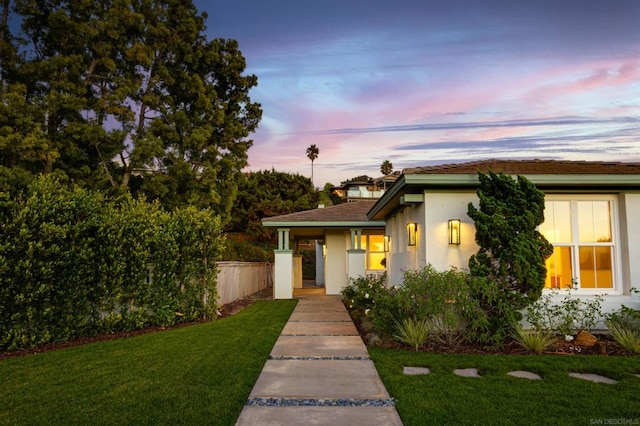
{"x":575,"y":244}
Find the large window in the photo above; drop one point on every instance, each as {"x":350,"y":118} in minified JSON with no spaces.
{"x":581,"y":231}
{"x":375,"y":257}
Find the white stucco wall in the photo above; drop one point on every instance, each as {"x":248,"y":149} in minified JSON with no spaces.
{"x":335,"y":274}
{"x":401,"y":256}
{"x":440,"y":207}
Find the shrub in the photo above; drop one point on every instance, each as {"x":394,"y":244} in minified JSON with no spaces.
{"x":442,"y":298}
{"x":495,"y":313}
{"x":74,"y":263}
{"x":246,"y":251}
{"x":509,"y":268}
{"x":362,"y":293}
{"x":533,"y":340}
{"x":567,"y":317}
{"x":412,"y":331}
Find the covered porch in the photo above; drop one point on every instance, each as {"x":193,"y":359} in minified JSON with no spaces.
{"x":348,"y":245}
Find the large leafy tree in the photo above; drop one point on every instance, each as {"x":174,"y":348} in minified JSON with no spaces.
{"x":130,"y":95}
{"x":270,"y":193}
{"x":512,"y":251}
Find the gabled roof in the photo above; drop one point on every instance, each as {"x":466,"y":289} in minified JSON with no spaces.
{"x":341,"y":215}
{"x":525,"y":167}
{"x":545,"y":174}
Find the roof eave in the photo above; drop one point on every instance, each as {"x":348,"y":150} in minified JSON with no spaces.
{"x":408,"y":182}
{"x":326,"y":224}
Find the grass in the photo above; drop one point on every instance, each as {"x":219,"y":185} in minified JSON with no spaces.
{"x":497,"y":399}
{"x":200,"y":374}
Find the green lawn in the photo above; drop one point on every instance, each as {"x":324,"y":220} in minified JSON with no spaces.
{"x":200,"y":374}
{"x":444,"y":398}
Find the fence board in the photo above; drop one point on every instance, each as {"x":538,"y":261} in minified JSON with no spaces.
{"x":241,"y":279}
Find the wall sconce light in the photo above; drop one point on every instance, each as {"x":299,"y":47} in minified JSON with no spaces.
{"x":454,"y":231}
{"x":387,"y":241}
{"x":412,"y":229}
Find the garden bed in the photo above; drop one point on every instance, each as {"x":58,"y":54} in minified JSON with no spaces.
{"x":604,"y":346}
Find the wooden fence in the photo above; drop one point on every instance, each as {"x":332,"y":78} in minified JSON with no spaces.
{"x":241,"y":279}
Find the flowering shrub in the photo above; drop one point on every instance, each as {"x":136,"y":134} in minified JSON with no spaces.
{"x":361,"y":293}
{"x":567,"y":317}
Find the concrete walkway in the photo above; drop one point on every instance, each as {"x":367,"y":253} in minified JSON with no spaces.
{"x":319,"y":373}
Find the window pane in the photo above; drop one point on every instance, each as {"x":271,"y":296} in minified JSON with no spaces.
{"x":375,"y":261}
{"x":594,"y":221}
{"x":595,"y":267}
{"x":557,"y":222}
{"x":559,"y":271}
{"x":376,"y":243}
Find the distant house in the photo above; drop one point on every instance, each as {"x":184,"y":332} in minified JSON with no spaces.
{"x":591,"y":218}
{"x":365,"y":189}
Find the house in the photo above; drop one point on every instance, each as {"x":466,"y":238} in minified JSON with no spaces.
{"x":422,"y":219}
{"x":363,"y":188}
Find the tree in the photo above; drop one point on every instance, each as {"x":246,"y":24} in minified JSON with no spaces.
{"x":312,"y":154}
{"x":132,"y":96}
{"x":269,"y":193}
{"x":512,"y":252}
{"x":386,"y":168}
{"x":361,"y":178}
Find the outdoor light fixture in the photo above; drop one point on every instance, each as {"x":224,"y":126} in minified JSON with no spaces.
{"x":412,"y":229}
{"x":454,"y":231}
{"x":387,"y":240}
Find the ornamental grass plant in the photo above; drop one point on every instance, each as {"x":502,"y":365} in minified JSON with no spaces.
{"x":625,"y":335}
{"x":413,"y":332}
{"x":533,"y":340}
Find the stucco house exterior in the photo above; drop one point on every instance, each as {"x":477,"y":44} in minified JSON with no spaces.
{"x":592,"y":218}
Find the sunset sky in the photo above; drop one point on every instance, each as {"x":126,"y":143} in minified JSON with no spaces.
{"x":420,"y":82}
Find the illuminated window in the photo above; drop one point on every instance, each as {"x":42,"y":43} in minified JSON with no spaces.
{"x":375,"y":256}
{"x":581,"y":232}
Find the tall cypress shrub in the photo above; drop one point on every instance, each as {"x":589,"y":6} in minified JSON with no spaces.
{"x":509,"y":268}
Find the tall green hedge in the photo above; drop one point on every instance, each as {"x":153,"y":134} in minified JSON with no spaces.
{"x":74,"y":263}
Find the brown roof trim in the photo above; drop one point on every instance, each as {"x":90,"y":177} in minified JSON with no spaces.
{"x":348,"y":212}
{"x":529,"y":167}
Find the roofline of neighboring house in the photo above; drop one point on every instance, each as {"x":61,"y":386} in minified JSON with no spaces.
{"x":326,"y":224}
{"x":415,"y":183}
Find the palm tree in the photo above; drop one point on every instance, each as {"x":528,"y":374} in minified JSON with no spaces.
{"x":312,"y":153}
{"x":386,"y":168}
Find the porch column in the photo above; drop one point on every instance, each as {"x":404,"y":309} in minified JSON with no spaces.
{"x":283,"y":268}
{"x":356,"y":256}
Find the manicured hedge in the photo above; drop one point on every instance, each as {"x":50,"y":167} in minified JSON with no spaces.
{"x":74,"y":262}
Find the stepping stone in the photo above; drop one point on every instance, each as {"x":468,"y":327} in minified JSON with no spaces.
{"x":466,"y":372}
{"x":524,"y":375}
{"x":593,"y":378}
{"x":415,"y":371}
